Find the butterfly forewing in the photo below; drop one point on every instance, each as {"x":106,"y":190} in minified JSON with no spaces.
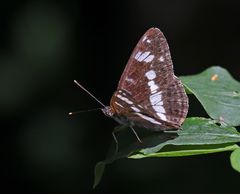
{"x":149,"y":94}
{"x":151,"y":51}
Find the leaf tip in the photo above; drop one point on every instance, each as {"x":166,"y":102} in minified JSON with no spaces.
{"x":99,"y":169}
{"x":235,"y":159}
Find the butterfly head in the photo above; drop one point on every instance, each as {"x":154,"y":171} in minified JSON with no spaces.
{"x":107,"y":110}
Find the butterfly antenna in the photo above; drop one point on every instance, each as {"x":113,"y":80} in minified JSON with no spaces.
{"x":75,"y":81}
{"x":76,"y":112}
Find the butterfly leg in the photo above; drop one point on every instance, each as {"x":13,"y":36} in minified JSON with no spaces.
{"x":117,"y":129}
{"x":116,"y":141}
{"x":135,"y":133}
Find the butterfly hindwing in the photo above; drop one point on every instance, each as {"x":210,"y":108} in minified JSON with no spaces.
{"x":130,"y":113}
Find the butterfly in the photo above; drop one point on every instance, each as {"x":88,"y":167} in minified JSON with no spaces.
{"x":149,"y":95}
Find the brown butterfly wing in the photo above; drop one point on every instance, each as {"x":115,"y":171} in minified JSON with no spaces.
{"x":149,"y":94}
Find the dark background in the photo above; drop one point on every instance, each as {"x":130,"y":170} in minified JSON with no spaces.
{"x":44,"y":45}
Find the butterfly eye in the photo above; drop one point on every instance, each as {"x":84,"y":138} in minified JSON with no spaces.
{"x":108,"y":111}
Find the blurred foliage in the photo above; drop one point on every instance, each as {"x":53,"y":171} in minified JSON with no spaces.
{"x":40,"y":44}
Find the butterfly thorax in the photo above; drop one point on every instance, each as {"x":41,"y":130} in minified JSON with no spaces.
{"x":110,"y":112}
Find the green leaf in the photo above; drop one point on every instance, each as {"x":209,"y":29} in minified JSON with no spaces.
{"x":199,"y":131}
{"x":199,"y":136}
{"x":188,"y":151}
{"x":235,"y":159}
{"x":218,"y":92}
